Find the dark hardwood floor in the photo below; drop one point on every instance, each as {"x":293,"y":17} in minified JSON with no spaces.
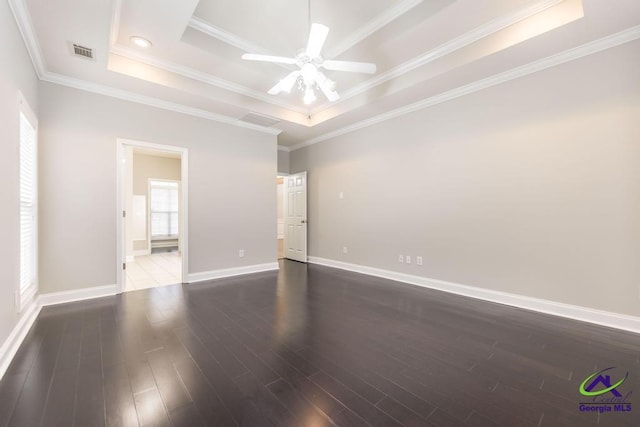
{"x":310,"y":346}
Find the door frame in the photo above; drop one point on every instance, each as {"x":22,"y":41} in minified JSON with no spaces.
{"x":122,"y":144}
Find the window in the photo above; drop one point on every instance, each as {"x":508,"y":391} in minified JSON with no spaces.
{"x":28,"y":204}
{"x":164,"y":209}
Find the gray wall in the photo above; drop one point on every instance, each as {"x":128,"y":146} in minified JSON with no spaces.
{"x":16,"y":74}
{"x":147,"y":167}
{"x":283,"y":161}
{"x":232,"y":199}
{"x":531,"y":187}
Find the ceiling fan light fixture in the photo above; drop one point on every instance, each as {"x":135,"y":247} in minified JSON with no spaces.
{"x":310,"y":61}
{"x":327,"y":86}
{"x":309,"y":73}
{"x":309,"y":96}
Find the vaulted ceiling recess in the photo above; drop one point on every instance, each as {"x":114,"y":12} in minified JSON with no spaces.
{"x":400,"y":55}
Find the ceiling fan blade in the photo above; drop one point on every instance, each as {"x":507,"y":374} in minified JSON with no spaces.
{"x":317,"y":36}
{"x":285,"y":84}
{"x":352,"y":67}
{"x":276,"y":89}
{"x":268,"y":58}
{"x":327,"y":87}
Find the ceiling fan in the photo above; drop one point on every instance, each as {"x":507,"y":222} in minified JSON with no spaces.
{"x":310,"y":61}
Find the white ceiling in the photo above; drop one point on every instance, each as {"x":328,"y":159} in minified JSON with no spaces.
{"x":427,"y":51}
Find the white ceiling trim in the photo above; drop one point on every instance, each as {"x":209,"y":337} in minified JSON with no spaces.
{"x":150,"y":101}
{"x":283,"y":148}
{"x":202,"y":77}
{"x":115,"y":22}
{"x":25,"y":25}
{"x":185,"y":71}
{"x":231,"y":39}
{"x":443,"y":50}
{"x":225,"y":36}
{"x":384,"y":18}
{"x":572,"y":54}
{"x":354,"y":38}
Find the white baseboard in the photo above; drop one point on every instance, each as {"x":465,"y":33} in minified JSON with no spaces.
{"x":585,"y":314}
{"x":54,"y":298}
{"x":14,"y":340}
{"x":142,"y":252}
{"x":229,"y":272}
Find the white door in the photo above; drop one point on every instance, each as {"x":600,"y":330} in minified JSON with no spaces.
{"x":295,"y":217}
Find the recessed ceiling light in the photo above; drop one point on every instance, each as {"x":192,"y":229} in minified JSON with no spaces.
{"x":140,"y":42}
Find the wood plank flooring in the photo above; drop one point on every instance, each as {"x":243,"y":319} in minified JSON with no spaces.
{"x":309,"y":346}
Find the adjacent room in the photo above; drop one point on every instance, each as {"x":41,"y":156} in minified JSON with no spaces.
{"x":152,"y":234}
{"x":452,"y":240}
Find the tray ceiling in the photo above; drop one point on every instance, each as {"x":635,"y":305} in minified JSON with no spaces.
{"x":424,"y":49}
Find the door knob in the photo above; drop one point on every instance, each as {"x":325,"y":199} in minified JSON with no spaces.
{"x":304,"y":221}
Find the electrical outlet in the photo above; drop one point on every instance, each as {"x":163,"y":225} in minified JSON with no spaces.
{"x":344,"y":249}
{"x":401,"y":258}
{"x":419,"y":260}
{"x":241,"y":253}
{"x":407,"y":259}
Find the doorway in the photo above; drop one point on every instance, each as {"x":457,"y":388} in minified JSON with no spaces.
{"x":295,"y":217}
{"x":152,"y":212}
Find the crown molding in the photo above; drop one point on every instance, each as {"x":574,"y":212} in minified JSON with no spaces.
{"x":595,"y":46}
{"x":354,"y":38}
{"x":381,"y":20}
{"x":225,"y":36}
{"x":152,"y":102}
{"x":115,"y":22}
{"x":283,"y":148}
{"x":231,"y":39}
{"x":205,"y":27}
{"x":202,"y":77}
{"x":23,"y":20}
{"x":384,"y":18}
{"x":444,"y":49}
{"x":25,"y":26}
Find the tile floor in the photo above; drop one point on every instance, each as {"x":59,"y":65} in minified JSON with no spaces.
{"x":154,"y":270}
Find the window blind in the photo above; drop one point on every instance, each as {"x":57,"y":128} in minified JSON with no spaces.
{"x":164,"y":209}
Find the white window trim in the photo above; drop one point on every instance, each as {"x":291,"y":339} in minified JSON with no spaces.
{"x":24,"y":297}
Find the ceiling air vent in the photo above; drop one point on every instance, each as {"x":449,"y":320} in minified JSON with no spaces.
{"x":84,"y":52}
{"x":259,"y":119}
